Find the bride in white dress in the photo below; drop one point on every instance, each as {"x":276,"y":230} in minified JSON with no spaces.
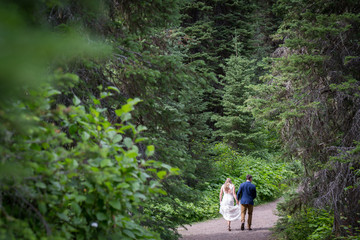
{"x":227,"y":208}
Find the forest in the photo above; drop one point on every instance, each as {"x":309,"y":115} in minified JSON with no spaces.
{"x":122,"y":119}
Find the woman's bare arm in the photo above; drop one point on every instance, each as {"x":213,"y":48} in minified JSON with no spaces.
{"x":221,"y":193}
{"x":234,"y":194}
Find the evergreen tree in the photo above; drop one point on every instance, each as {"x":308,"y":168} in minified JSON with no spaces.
{"x":236,"y":126}
{"x":174,"y":112}
{"x":210,"y":27}
{"x":312,"y":98}
{"x":141,"y":65}
{"x":243,"y":69}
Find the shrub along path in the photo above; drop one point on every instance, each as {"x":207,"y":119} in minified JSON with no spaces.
{"x":264,"y":218}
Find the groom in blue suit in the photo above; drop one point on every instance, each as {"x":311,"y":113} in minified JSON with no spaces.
{"x":247,"y":194}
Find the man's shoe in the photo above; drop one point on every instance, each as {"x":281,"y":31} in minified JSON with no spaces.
{"x":242,"y":226}
{"x":250,"y":228}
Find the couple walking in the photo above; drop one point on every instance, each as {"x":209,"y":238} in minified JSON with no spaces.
{"x":246,"y":194}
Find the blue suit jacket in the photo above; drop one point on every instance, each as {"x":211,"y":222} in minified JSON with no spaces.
{"x":247,"y":192}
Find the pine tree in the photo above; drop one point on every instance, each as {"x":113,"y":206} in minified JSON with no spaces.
{"x":237,"y":126}
{"x":311,"y":98}
{"x":141,"y":64}
{"x":210,"y":27}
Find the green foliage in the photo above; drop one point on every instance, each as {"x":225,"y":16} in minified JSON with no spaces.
{"x":310,"y":97}
{"x":144,"y":62}
{"x":27,"y":49}
{"x":67,"y":170}
{"x":271,"y":178}
{"x":306,"y":223}
{"x":237,"y":126}
{"x":174,"y":113}
{"x":302,"y":83}
{"x":76,"y":159}
{"x":211,"y":27}
{"x":79,"y":173}
{"x":205,"y":208}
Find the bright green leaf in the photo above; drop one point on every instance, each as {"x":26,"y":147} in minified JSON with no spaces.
{"x":150,"y":150}
{"x":114,"y":89}
{"x":161,"y":174}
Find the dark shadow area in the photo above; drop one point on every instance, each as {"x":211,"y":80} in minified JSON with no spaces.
{"x":253,"y":230}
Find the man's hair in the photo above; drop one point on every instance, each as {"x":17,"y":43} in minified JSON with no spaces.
{"x":248,"y":177}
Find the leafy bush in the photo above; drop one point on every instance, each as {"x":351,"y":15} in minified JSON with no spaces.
{"x":271,"y":178}
{"x":67,"y":172}
{"x":304,"y":223}
{"x":73,"y":171}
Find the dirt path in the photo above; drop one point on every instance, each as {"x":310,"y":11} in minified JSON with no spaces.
{"x":264,"y":218}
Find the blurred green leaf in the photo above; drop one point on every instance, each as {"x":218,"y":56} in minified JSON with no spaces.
{"x":115,"y":204}
{"x":161,"y":174}
{"x":101,"y":216}
{"x":106,"y":163}
{"x":150,"y":149}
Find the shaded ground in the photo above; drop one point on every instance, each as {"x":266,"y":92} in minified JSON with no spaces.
{"x":264,"y":218}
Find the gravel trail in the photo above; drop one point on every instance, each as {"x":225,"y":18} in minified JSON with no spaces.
{"x":264,"y":218}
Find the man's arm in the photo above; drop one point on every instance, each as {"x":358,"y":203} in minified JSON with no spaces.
{"x":254,"y":192}
{"x":238,"y":195}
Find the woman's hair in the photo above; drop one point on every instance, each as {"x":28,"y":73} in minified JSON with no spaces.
{"x":227,"y":184}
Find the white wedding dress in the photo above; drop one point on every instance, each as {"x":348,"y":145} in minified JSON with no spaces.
{"x":227,"y":208}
